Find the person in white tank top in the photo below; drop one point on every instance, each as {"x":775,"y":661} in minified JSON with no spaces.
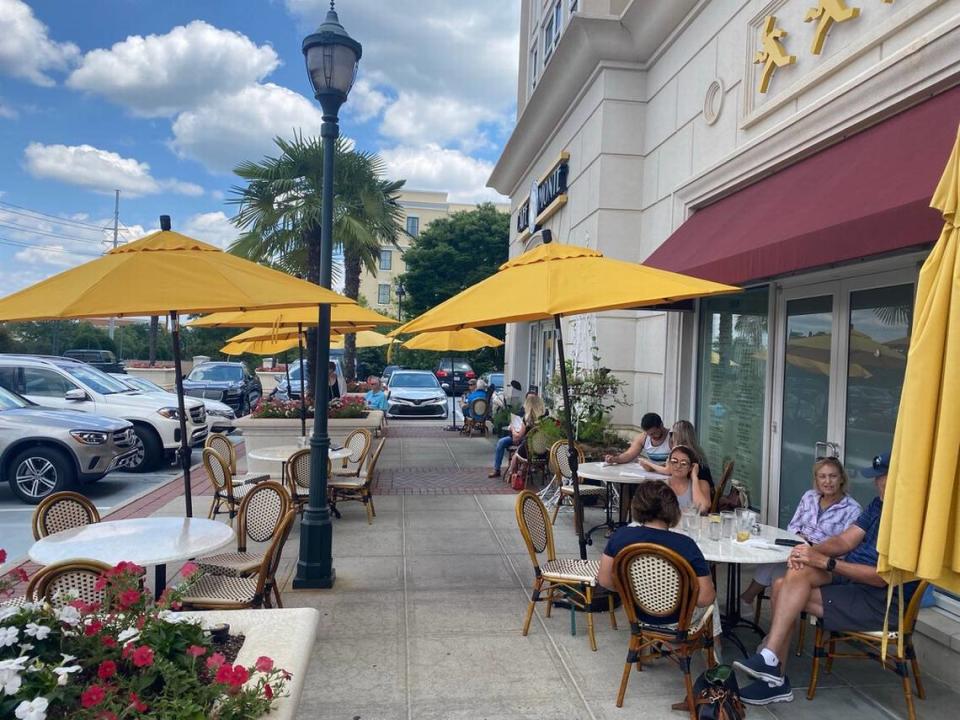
{"x":653,"y":443}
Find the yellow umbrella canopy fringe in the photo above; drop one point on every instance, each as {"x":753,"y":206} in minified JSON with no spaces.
{"x":920,"y":505}
{"x":453,"y":340}
{"x":344,"y":316}
{"x":259,"y":347}
{"x":286,"y":333}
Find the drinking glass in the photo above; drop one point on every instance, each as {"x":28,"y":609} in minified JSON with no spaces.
{"x":690,"y":519}
{"x":727,"y":519}
{"x":744,"y":525}
{"x":714,"y":527}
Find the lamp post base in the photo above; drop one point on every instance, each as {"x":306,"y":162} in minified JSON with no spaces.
{"x":315,"y":566}
{"x":306,"y":580}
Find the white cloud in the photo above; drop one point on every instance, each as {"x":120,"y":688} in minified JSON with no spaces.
{"x":212,"y":227}
{"x":416,"y":119}
{"x":55,"y":255}
{"x":365,"y":101}
{"x":99,"y":170}
{"x":161,"y":75}
{"x":431,"y":167}
{"x":26,"y":51}
{"x":232,"y":128}
{"x":7,"y":112}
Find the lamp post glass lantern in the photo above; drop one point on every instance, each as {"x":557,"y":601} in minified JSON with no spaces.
{"x":331,"y":56}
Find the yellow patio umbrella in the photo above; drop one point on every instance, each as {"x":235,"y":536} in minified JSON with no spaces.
{"x":259,"y":347}
{"x":365,"y":338}
{"x":554,"y":280}
{"x":453,"y":340}
{"x":919,"y":535}
{"x":164,"y":273}
{"x":341,"y":316}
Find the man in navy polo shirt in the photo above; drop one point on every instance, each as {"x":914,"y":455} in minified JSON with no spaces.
{"x":847,"y":594}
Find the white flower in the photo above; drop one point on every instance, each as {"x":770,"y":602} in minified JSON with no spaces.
{"x":35,"y":709}
{"x":9,"y":635}
{"x":128,"y":634}
{"x":67,"y":658}
{"x":26,"y":647}
{"x":68,"y":615}
{"x":63,"y":673}
{"x":10,"y":674}
{"x":40,"y":632}
{"x":8,"y":612}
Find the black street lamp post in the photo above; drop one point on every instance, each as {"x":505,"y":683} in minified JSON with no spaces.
{"x":401,"y":294}
{"x":332,"y":57}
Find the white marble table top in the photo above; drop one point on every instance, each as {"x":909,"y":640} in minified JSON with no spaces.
{"x":757,"y":550}
{"x":282,"y":453}
{"x":145,"y":541}
{"x":627,"y":473}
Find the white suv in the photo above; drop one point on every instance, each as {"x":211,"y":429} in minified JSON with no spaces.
{"x":67,"y":384}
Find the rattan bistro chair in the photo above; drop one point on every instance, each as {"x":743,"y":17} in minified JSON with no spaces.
{"x":721,"y":487}
{"x":658,"y":582}
{"x":867,"y":646}
{"x":298,"y":478}
{"x":60,"y":582}
{"x":562,"y":476}
{"x":228,"y":451}
{"x":572,"y":578}
{"x":358,"y":489}
{"x":359,"y":442}
{"x":62,"y":511}
{"x":224,"y":491}
{"x":225,"y":592}
{"x":258,"y":521}
{"x":477,"y":419}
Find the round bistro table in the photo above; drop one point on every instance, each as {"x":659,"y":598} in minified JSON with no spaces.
{"x":625,"y":476}
{"x":282,"y":453}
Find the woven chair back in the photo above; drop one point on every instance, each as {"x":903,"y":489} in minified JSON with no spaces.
{"x":535,"y":526}
{"x":271,"y":558}
{"x":218,"y":470}
{"x":62,"y":511}
{"x":913,"y":607}
{"x":656,"y":581}
{"x":358,"y":441}
{"x":478,"y":409}
{"x":721,"y":486}
{"x":372,"y":461}
{"x":537,"y":444}
{"x":560,"y":460}
{"x":221,"y":443}
{"x":61,"y":582}
{"x":298,"y":468}
{"x":261,"y":511}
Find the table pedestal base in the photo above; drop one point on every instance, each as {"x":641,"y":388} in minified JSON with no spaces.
{"x":733,"y":619}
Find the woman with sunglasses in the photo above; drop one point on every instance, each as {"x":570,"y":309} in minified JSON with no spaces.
{"x":685,"y":481}
{"x":684,"y":433}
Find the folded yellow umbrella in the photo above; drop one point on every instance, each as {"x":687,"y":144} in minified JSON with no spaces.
{"x":285,"y":333}
{"x":453,"y":340}
{"x":919,"y":535}
{"x":345,"y":316}
{"x":259,"y":347}
{"x":365,"y":338}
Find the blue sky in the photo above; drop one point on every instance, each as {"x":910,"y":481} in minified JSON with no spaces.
{"x":162,"y":99}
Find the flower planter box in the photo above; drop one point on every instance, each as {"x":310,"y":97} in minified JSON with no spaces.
{"x":164,"y":377}
{"x":269,"y":432}
{"x":268,"y":379}
{"x":286,"y":635}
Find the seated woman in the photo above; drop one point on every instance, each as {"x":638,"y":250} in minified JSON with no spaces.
{"x":478,"y":390}
{"x":691,"y":490}
{"x":824,"y":511}
{"x":684,"y":433}
{"x":655,"y":510}
{"x":533,"y":410}
{"x":653,"y":442}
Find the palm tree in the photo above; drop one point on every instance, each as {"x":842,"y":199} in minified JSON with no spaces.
{"x":280,"y":213}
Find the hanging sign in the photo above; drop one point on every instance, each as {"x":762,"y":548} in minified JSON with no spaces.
{"x":547,"y":195}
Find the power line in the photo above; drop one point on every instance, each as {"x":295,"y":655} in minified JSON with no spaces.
{"x":17,"y":243}
{"x":33,"y":213}
{"x":57,"y":236}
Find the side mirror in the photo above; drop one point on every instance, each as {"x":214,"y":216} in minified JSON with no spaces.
{"x":445,"y":386}
{"x":75,"y":394}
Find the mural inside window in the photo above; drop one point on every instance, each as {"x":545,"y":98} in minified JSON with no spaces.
{"x":732,"y":385}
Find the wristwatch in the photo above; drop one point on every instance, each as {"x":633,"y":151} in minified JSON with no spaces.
{"x":831,"y":564}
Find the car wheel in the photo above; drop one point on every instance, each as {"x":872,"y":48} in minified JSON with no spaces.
{"x":149,"y":451}
{"x":37,"y":472}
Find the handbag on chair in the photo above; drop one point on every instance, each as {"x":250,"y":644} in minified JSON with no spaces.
{"x":518,"y":480}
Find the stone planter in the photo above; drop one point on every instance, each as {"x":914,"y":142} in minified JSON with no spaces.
{"x":268,"y":378}
{"x":164,"y":377}
{"x":269,"y":432}
{"x":286,"y":635}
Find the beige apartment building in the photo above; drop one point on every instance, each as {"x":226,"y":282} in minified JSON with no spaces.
{"x":788,"y":147}
{"x":420,"y":209}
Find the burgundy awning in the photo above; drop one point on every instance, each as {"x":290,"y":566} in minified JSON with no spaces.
{"x":864,"y":196}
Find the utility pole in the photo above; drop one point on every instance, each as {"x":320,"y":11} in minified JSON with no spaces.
{"x":116,"y":229}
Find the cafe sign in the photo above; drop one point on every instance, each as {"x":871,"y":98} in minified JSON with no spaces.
{"x":548,"y":194}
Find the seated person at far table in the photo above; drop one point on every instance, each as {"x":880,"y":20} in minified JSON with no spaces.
{"x":847,"y":594}
{"x":684,"y":433}
{"x":691,"y":490}
{"x":375,"y":398}
{"x":653,"y":442}
{"x":477,"y":390}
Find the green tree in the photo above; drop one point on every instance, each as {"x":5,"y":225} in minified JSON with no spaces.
{"x":452,"y":254}
{"x":280,"y":211}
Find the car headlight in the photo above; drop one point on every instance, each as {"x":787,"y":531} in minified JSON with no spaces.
{"x":89,"y":437}
{"x":171,"y":413}
{"x":437,"y":400}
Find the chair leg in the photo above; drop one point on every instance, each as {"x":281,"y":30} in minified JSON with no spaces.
{"x":366,"y":506}
{"x":613,"y":615}
{"x":801,"y":633}
{"x":556,"y":510}
{"x":688,"y":682}
{"x":633,"y":655}
{"x":549,"y":601}
{"x":593,"y":639}
{"x":534,"y":596}
{"x":830,"y":653}
{"x":373,"y":509}
{"x":276,"y":593}
{"x":214,"y":506}
{"x":915,"y":667}
{"x":904,"y":674}
{"x":757,"y":608}
{"x":711,"y":645}
{"x":818,"y":649}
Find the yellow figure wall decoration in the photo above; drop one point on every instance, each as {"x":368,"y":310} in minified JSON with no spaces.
{"x":826,"y":13}
{"x":772,"y":54}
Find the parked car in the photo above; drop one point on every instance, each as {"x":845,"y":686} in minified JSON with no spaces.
{"x":496,"y":381}
{"x":416,"y":393}
{"x":62,"y":383}
{"x":228,"y":382}
{"x":283,"y":392}
{"x":387,"y":372}
{"x":43,"y":451}
{"x":220,"y":416}
{"x":101,"y":359}
{"x":454,"y":372}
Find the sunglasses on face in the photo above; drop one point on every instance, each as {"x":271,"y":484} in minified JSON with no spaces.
{"x":679,"y":463}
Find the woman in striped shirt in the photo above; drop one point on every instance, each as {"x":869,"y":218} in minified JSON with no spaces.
{"x":823,"y":512}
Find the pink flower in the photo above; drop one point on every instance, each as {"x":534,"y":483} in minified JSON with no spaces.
{"x":129,"y":598}
{"x":215,"y":661}
{"x":143,"y":656}
{"x":107,"y":669}
{"x":20,"y":574}
{"x":224,"y":674}
{"x":196,"y":651}
{"x":109,"y":641}
{"x":137,"y":704}
{"x":189,"y":569}
{"x":93,"y":628}
{"x":264,"y":664}
{"x":101,"y":584}
{"x":239,"y":676}
{"x":268,"y":691}
{"x":106,"y":715}
{"x":3,"y":555}
{"x":92,"y":696}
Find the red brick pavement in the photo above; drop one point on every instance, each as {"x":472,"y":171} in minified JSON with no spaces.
{"x":438,"y":481}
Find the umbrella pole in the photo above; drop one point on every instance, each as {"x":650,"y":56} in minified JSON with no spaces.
{"x":303,"y":394}
{"x":182,"y":408}
{"x":453,"y":397}
{"x":571,"y":450}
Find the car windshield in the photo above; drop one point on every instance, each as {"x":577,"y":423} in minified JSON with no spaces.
{"x":413,"y":380}
{"x":496,"y":379}
{"x":458,"y":365}
{"x":216,"y":373}
{"x":295,"y":374}
{"x":10,"y":401}
{"x":96,"y":380}
{"x":138,"y":383}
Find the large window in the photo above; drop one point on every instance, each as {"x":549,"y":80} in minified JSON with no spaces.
{"x":413,"y":225}
{"x":386,"y":260}
{"x":383,"y":294}
{"x":732,"y":385}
